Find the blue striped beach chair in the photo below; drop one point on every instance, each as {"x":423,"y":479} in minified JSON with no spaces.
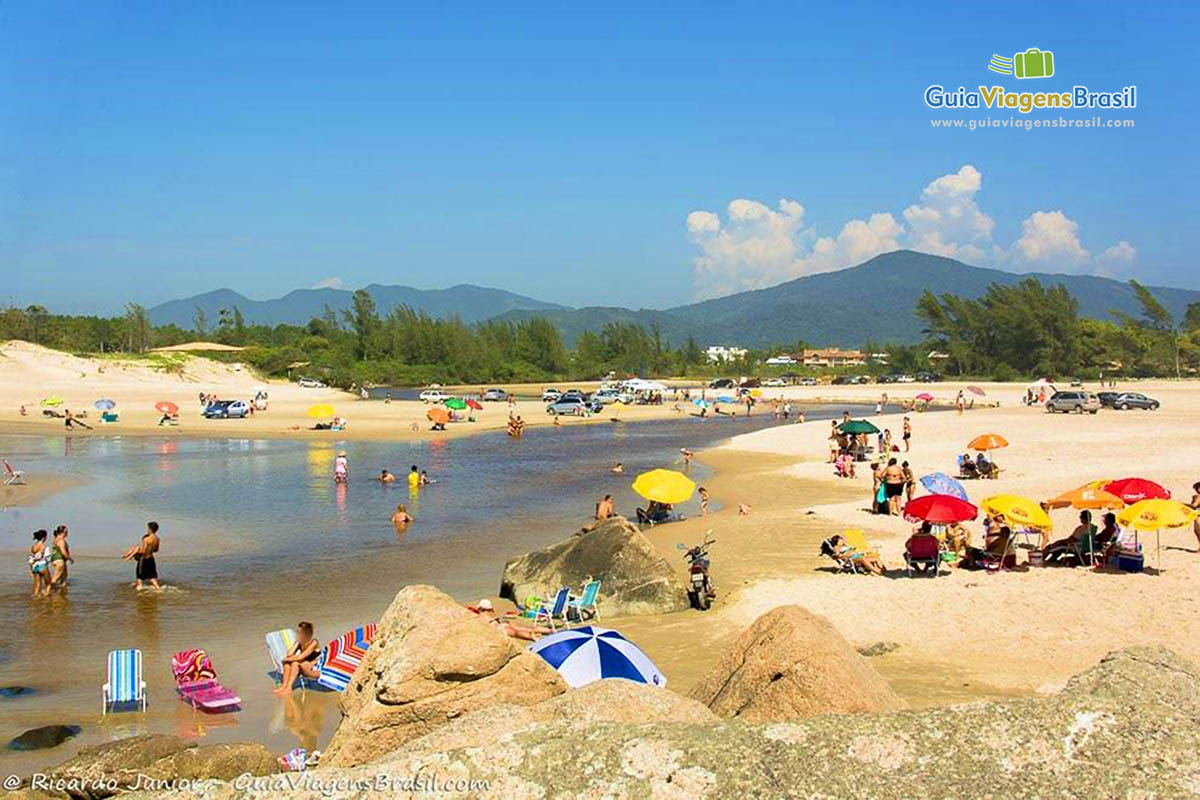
{"x":279,"y":644}
{"x":555,"y":611}
{"x":125,"y":684}
{"x":585,"y":604}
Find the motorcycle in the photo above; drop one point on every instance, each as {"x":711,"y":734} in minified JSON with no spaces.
{"x":700,"y":587}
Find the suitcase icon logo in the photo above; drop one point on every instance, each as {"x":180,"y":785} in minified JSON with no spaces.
{"x":1033,"y":63}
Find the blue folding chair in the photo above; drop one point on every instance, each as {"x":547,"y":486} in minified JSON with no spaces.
{"x":125,"y":684}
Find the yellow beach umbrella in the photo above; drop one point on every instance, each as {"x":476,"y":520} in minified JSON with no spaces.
{"x":52,"y":400}
{"x":321,"y":411}
{"x":664,"y":486}
{"x":1154,"y":515}
{"x":756,"y":392}
{"x":1018,"y":509}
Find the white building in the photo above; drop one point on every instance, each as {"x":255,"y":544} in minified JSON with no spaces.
{"x":718,"y":354}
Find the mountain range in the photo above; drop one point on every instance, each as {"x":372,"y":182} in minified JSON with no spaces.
{"x":874,"y":300}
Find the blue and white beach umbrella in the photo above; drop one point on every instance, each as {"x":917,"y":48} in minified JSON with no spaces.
{"x":941,"y":483}
{"x":588,"y":654}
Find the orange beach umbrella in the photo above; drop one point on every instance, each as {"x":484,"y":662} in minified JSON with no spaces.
{"x":166,"y":407}
{"x":1090,"y":495}
{"x":438,"y":415}
{"x":987,"y":441}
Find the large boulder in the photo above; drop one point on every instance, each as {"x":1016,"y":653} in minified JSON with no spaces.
{"x":792,"y":663}
{"x":431,"y":661}
{"x":1124,"y":729}
{"x":612,"y":700}
{"x":106,"y":769}
{"x":635,"y":578}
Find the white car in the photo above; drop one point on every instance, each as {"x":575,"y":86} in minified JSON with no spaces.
{"x":774,"y":382}
{"x":433,"y":396}
{"x":550,"y":395}
{"x":607,"y":396}
{"x":905,"y":379}
{"x":311,"y":383}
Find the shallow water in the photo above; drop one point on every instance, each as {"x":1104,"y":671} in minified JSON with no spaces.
{"x":256,"y":536}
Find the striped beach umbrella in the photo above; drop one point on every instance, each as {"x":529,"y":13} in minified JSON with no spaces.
{"x":342,"y":657}
{"x":588,"y":654}
{"x":941,"y":483}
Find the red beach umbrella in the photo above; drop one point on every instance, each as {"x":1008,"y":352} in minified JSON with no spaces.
{"x":940,"y":509}
{"x":976,"y":390}
{"x":1131,"y":490}
{"x":475,"y":404}
{"x":166,"y":407}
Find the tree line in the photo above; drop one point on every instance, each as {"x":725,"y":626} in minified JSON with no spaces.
{"x":1012,"y":331}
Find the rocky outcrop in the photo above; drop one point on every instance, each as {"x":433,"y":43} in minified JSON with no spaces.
{"x":105,"y":769}
{"x":1126,"y":728}
{"x":431,"y":661}
{"x":43,"y":737}
{"x":635,"y":578}
{"x":792,"y":663}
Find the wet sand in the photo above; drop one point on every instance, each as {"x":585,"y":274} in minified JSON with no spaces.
{"x":37,"y":488}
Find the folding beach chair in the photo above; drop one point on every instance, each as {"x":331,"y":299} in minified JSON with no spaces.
{"x":197,"y":683}
{"x":925,"y":552}
{"x":12,"y":476}
{"x":556,"y":611}
{"x":845,"y":563}
{"x":279,"y":644}
{"x":125,"y":684}
{"x":585,"y":603}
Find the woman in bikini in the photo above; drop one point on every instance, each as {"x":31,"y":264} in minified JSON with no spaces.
{"x":39,"y":564}
{"x":60,"y":554}
{"x":301,"y":659}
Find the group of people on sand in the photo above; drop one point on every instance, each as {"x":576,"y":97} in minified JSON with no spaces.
{"x":49,"y":556}
{"x":892,"y":485}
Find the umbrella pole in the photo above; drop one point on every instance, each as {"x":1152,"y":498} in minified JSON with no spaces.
{"x":1158,"y":548}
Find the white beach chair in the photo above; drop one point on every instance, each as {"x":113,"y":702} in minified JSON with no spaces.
{"x":12,"y":476}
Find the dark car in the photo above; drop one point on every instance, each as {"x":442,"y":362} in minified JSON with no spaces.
{"x":1106,"y":399}
{"x":885,"y":379}
{"x":227,"y":409}
{"x":929,"y":377}
{"x":844,"y":380}
{"x":722,"y":383}
{"x":1127,"y":400}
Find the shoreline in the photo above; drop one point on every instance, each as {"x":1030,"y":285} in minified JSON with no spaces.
{"x":38,"y":488}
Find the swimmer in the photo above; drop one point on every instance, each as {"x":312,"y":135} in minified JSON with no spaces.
{"x":386,"y":477}
{"x":618,"y":469}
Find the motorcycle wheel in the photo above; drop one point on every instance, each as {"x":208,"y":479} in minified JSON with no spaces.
{"x":702,"y":601}
{"x":693,"y":600}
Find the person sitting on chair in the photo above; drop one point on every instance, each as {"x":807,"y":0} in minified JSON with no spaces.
{"x":837,"y":548}
{"x":301,"y":659}
{"x":921,"y":548}
{"x":995,"y":549}
{"x":966,"y":467}
{"x":1079,"y":537}
{"x":654,"y":512}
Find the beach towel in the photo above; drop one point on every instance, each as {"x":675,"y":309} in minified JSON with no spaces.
{"x":193,"y":665}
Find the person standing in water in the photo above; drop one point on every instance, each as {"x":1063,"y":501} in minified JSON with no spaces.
{"x":143,"y":553}
{"x":60,"y":554}
{"x":39,"y":564}
{"x":414,"y":478}
{"x":341,"y":468}
{"x":402,"y":518}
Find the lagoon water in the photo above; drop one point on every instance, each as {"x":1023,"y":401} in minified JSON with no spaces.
{"x":256,"y":536}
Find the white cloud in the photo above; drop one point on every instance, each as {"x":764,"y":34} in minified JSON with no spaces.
{"x":332,"y":282}
{"x":1051,"y":238}
{"x":758,"y":246}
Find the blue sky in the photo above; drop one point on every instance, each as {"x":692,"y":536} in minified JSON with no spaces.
{"x":150,"y":151}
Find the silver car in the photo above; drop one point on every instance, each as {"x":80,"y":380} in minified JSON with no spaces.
{"x":1077,"y":401}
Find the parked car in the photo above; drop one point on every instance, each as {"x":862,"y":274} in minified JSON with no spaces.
{"x":573,"y":405}
{"x":806,"y":381}
{"x":929,"y":377}
{"x":550,"y":395}
{"x":572,"y":394}
{"x":433,"y":396}
{"x":722,"y":383}
{"x":1076,"y":401}
{"x":1106,"y":399}
{"x":607,"y":396}
{"x":905,"y":378}
{"x":1127,"y":400}
{"x":843,"y":380}
{"x":885,"y":379}
{"x":227,"y":409}
{"x":774,"y":382}
{"x":311,"y":383}
{"x":495,"y":395}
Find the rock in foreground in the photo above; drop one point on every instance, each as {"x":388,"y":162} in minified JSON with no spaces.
{"x":1126,"y":728}
{"x":635,"y":578}
{"x":792,"y":663}
{"x":431,"y":661}
{"x":139,"y":760}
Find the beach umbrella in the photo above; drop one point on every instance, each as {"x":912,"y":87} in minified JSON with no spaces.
{"x":664,"y":486}
{"x":588,"y":654}
{"x":700,"y":402}
{"x":1018,"y":509}
{"x":987,"y":441}
{"x":342,"y":657}
{"x":1154,"y":515}
{"x":941,"y":483}
{"x":166,"y":407}
{"x":925,"y":397}
{"x":855,"y":427}
{"x":724,"y":398}
{"x":438,"y":415}
{"x":1090,"y":495}
{"x":104,"y":404}
{"x":939,"y":509}
{"x":976,"y":390}
{"x":1131,"y":490}
{"x":52,"y":400}
{"x":456,"y":403}
{"x":475,"y":404}
{"x":320,"y":411}
{"x":756,"y":392}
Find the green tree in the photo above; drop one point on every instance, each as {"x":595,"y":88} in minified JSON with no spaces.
{"x":200,"y":322}
{"x":137,"y":328}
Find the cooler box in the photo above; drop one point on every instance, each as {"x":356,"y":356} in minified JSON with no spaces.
{"x":1037,"y":558}
{"x":1130,"y":562}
